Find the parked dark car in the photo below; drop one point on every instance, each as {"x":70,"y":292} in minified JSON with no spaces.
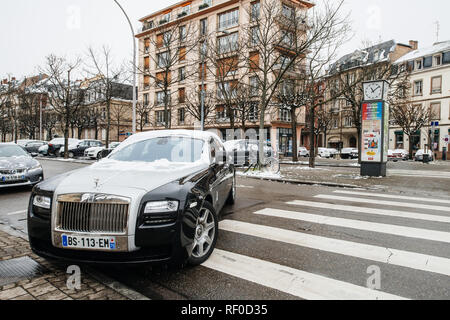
{"x":17,"y":167}
{"x":77,"y":149}
{"x":32,"y":147}
{"x":246,"y":152}
{"x":156,"y":199}
{"x":56,"y":144}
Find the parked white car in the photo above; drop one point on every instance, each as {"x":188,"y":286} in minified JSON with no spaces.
{"x":333,"y":152}
{"x":349,"y":153}
{"x":401,"y":154}
{"x":324,"y":153}
{"x":98,"y":152}
{"x":421,"y":152}
{"x":303,"y":152}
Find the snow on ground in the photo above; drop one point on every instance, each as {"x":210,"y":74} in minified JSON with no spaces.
{"x":260,"y":174}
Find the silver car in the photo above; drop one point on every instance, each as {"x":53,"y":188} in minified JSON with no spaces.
{"x":17,"y":167}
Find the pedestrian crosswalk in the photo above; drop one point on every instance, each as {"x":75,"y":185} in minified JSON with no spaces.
{"x":332,"y":211}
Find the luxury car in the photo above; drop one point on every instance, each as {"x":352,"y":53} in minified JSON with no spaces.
{"x":155,"y":199}
{"x":78,"y":148}
{"x":55,"y":145}
{"x":17,"y":167}
{"x":100,"y":152}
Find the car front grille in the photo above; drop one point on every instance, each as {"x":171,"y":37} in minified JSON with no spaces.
{"x":92,"y":216}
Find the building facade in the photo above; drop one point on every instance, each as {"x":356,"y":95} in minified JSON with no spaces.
{"x":223,"y":21}
{"x":343,"y":131}
{"x":429,"y":70}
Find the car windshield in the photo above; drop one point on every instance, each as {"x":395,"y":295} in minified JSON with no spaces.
{"x":172,"y":149}
{"x":11,"y":151}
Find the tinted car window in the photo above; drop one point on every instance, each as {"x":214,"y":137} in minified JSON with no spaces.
{"x":173,"y":149}
{"x":12,"y":151}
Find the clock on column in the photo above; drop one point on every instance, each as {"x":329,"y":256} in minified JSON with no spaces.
{"x":375,"y":90}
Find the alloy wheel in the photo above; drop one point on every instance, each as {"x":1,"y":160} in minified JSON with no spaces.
{"x":204,"y":233}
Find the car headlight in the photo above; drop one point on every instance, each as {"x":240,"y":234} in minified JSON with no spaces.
{"x":161,"y":206}
{"x":42,"y":202}
{"x":36,"y":167}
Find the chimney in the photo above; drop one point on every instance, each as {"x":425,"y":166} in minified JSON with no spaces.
{"x":414,"y":44}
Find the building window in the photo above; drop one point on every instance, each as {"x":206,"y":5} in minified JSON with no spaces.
{"x":229,"y":19}
{"x":226,"y":90}
{"x":146,"y":99}
{"x":254,"y":86}
{"x":335,"y":123}
{"x":288,"y":12}
{"x":253,"y":112}
{"x":163,"y":59}
{"x":436,"y":84}
{"x":182,"y":74}
{"x":256,"y":9}
{"x":285,"y":115}
{"x":160,"y":98}
{"x":228,"y":43}
{"x":146,"y":45}
{"x":255,"y":40}
{"x":181,"y":116}
{"x":146,"y":82}
{"x":419,"y":65}
{"x":446,"y":58}
{"x":418,"y":88}
{"x":428,"y":62}
{"x":437,"y":60}
{"x":182,"y":33}
{"x":435,"y":108}
{"x":221,"y":113}
{"x":160,"y":118}
{"x":287,"y":37}
{"x":399,"y":140}
{"x":348,"y":122}
{"x":182,"y":95}
{"x":204,"y":27}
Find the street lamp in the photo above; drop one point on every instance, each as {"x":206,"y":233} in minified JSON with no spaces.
{"x":134,"y":65}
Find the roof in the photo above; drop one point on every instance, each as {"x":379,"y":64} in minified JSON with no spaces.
{"x":435,"y":48}
{"x":202,"y":135}
{"x":367,"y":56}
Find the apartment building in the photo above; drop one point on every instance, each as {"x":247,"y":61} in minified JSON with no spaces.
{"x":357,"y":65}
{"x":223,"y":21}
{"x":430,"y":82}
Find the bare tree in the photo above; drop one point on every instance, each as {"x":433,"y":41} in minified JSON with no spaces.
{"x":324,"y":121}
{"x":170,"y":48}
{"x":119,"y":116}
{"x":49,"y":122}
{"x":143,"y":112}
{"x":281,"y":49}
{"x":107,"y":75}
{"x":246,"y":106}
{"x":8,"y":121}
{"x":193,"y":105}
{"x":64,"y":94}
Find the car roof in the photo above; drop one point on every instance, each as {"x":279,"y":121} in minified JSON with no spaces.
{"x":203,"y":135}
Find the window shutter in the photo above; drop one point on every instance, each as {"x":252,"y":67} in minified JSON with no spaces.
{"x":254,"y":61}
{"x":182,"y":55}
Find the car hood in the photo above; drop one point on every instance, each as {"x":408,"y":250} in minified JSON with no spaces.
{"x":17,"y":162}
{"x":126,"y":178}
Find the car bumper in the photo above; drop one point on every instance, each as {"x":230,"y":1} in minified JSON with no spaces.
{"x":158,"y":245}
{"x":30,"y":179}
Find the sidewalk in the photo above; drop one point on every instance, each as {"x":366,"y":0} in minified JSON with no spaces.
{"x":50,"y":283}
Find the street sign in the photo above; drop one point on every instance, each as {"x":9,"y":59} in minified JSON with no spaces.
{"x":435,"y":124}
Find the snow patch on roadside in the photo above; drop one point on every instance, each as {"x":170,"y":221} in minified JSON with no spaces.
{"x":260,"y":174}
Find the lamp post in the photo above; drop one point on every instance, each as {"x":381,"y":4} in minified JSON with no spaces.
{"x":134,"y":66}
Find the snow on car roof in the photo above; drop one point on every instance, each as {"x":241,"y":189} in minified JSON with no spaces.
{"x":197,"y":134}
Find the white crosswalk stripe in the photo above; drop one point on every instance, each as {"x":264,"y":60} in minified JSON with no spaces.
{"x":382,"y":202}
{"x":424,"y":234}
{"x":392,"y":196}
{"x":376,"y":211}
{"x":292,"y":281}
{"x":353,"y":249}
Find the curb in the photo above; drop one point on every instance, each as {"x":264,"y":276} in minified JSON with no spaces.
{"x":311,"y":183}
{"x":67,"y":161}
{"x":103,"y":279}
{"x":321,"y":165}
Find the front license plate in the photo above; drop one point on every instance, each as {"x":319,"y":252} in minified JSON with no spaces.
{"x":13,"y":177}
{"x":89,"y":243}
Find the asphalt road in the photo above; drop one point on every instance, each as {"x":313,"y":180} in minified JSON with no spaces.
{"x":303,"y":242}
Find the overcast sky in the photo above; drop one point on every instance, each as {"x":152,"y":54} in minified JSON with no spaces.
{"x":32,"y":29}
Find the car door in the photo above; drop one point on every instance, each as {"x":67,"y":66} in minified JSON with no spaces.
{"x":219,"y":183}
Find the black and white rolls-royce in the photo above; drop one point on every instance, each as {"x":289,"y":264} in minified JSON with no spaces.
{"x":155,"y":199}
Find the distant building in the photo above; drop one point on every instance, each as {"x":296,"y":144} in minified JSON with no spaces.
{"x":343,"y":133}
{"x":430,"y":80}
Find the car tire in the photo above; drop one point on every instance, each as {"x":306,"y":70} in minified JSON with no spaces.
{"x":232,"y":196}
{"x":71,"y":155}
{"x":198,"y":257}
{"x":99,"y":156}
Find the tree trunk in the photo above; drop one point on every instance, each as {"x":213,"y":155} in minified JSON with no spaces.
{"x":312,"y":125}
{"x":358,"y":143}
{"x":108,"y":121}
{"x":294,"y":136}
{"x":410,"y":142}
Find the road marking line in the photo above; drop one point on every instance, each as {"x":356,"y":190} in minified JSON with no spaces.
{"x":17,"y":212}
{"x":379,"y":195}
{"x":390,"y":256}
{"x":423,"y":234}
{"x":383,"y":212}
{"x":291,"y":281}
{"x":382,"y":202}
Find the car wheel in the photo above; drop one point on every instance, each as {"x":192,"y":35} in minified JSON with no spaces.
{"x":232,"y":196}
{"x":99,"y":156}
{"x":205,"y":235}
{"x":71,"y":155}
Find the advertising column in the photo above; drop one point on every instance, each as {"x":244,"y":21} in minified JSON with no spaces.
{"x":374,"y":134}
